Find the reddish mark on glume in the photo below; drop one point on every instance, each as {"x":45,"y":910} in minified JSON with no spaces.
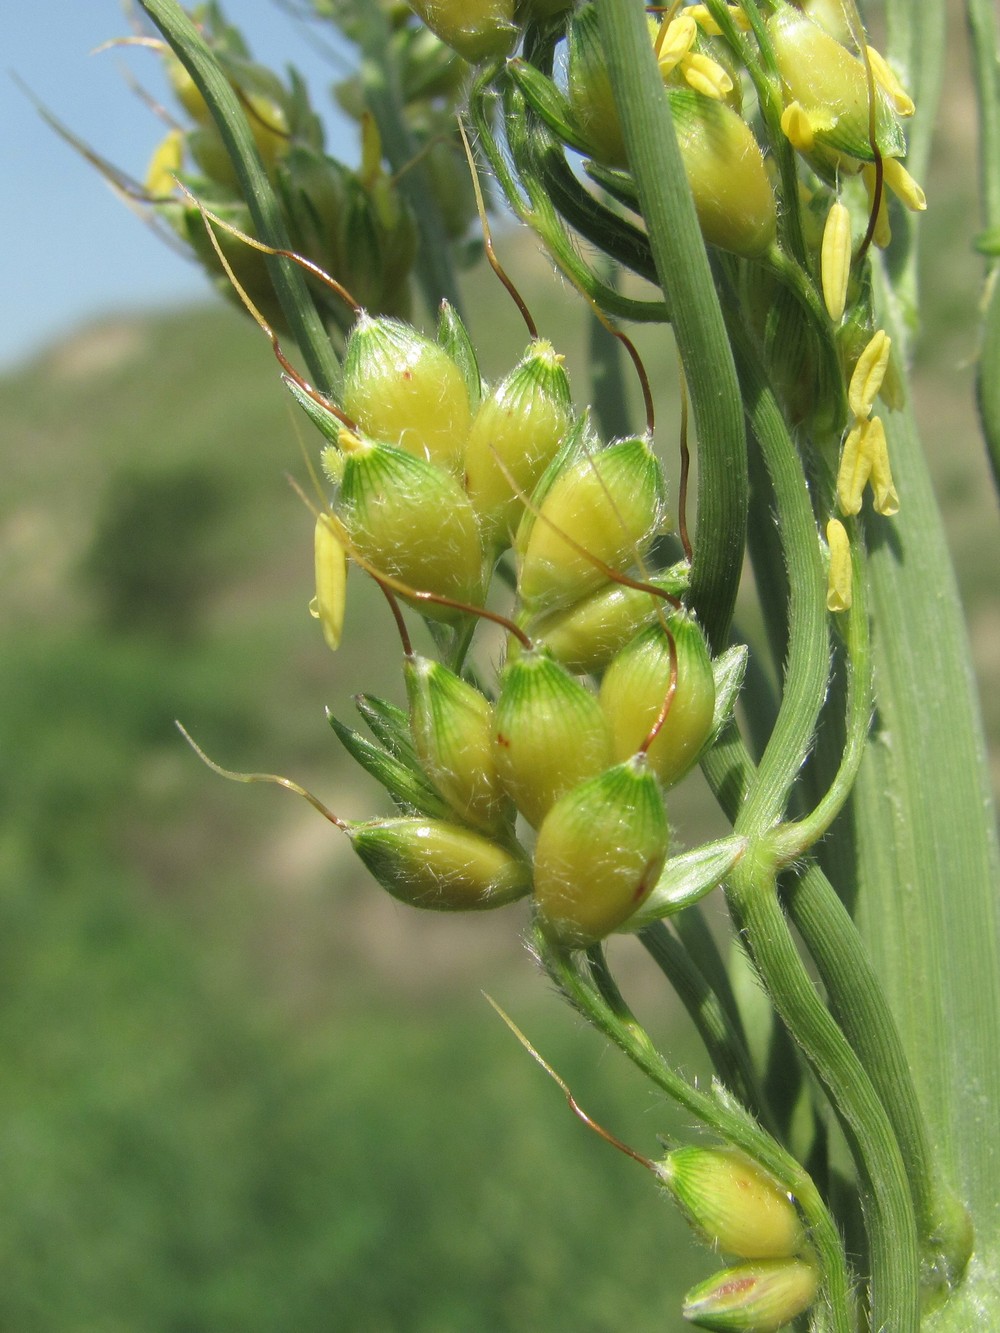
{"x":737,"y":1287}
{"x":644,"y":885}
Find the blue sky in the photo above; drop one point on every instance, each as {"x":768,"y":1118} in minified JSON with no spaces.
{"x":71,"y":251}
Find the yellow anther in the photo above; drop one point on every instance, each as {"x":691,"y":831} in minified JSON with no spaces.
{"x":704,"y":20}
{"x":882,"y":234}
{"x":707,"y":23}
{"x":886,"y":79}
{"x":903,"y":186}
{"x":674,"y":41}
{"x":855,"y":468}
{"x":868,"y":375}
{"x":331,"y":581}
{"x":835,"y":260}
{"x":797,"y":128}
{"x":165,"y":164}
{"x":886,"y":499}
{"x":706,"y":76}
{"x":838,"y":579}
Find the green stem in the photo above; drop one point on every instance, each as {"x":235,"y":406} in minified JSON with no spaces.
{"x":928,"y":861}
{"x":752,"y":891}
{"x":890,"y":1222}
{"x":614,"y":235}
{"x":686,"y":278}
{"x":695,"y":934}
{"x":984,"y":35}
{"x":916,"y":42}
{"x":534,"y":208}
{"x":296,"y":302}
{"x":988,"y":381}
{"x":597,"y":999}
{"x":807,"y":661}
{"x":793,"y":839}
{"x":859,"y":1003}
{"x":723,"y":1042}
{"x":985,"y":40}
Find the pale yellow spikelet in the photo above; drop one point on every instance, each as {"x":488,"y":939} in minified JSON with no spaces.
{"x":331,"y":581}
{"x":903,"y":186}
{"x":893,"y":392}
{"x":708,"y":25}
{"x":673,"y":42}
{"x":886,"y":499}
{"x":838,"y":579}
{"x":165,"y":164}
{"x":866,"y":380}
{"x":886,"y":78}
{"x":835,"y":260}
{"x":855,"y":468}
{"x":706,"y":76}
{"x":797,"y":128}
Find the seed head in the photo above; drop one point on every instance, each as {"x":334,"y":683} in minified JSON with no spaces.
{"x":165,"y":164}
{"x":600,"y":850}
{"x":412,"y":521}
{"x":550,"y":733}
{"x":514,"y":436}
{"x":732,"y":191}
{"x":586,"y":635}
{"x":443,"y":867}
{"x":588,"y":86}
{"x":476,"y":29}
{"x":634,"y":692}
{"x":732,"y":1203}
{"x":452,"y":726}
{"x":609,"y":504}
{"x":758,"y":1297}
{"x":405,"y":390}
{"x":830,"y":87}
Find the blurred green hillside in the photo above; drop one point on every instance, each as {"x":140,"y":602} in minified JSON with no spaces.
{"x":242,"y":1088}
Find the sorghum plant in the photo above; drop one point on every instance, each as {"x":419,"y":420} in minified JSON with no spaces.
{"x":757,"y":164}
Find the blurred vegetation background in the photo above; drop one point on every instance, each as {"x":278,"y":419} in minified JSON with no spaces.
{"x":243,"y":1089}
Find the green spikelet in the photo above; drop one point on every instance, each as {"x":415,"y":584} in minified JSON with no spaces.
{"x":550,"y":733}
{"x":413,"y":521}
{"x":403,"y":389}
{"x":439,"y":866}
{"x":600,"y":851}
{"x":634,"y":690}
{"x":515,"y":435}
{"x":601,"y":512}
{"x":452,"y":725}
